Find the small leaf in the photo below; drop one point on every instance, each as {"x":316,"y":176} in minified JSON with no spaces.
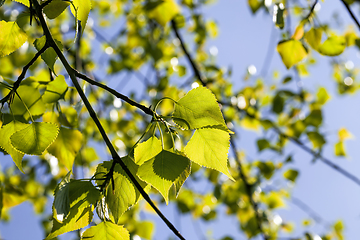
{"x":340,"y":149}
{"x":198,"y":108}
{"x":125,"y":194}
{"x":163,"y":170}
{"x":77,"y":218}
{"x":11,"y":38}
{"x":333,"y":46}
{"x":314,"y":118}
{"x":262,"y":144}
{"x":81,"y":11}
{"x":209,"y":148}
{"x":322,"y":96}
{"x":55,"y":8}
{"x":147,"y":150}
{"x":266,"y":168}
{"x":313,"y":37}
{"x":66,"y":146}
{"x":164,"y":12}
{"x":291,"y":52}
{"x":35,"y":138}
{"x":278,"y":104}
{"x":5,"y":132}
{"x":344,"y":134}
{"x":317,"y":139}
{"x":279,"y":15}
{"x":291,"y":175}
{"x":255,"y":5}
{"x":274,"y":200}
{"x":49,"y":56}
{"x":55,"y":90}
{"x":299,"y":31}
{"x":106,"y":231}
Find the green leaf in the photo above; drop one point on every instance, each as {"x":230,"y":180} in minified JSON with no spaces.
{"x":262,"y":144}
{"x":66,"y":146}
{"x":145,"y":229}
{"x":291,"y":52}
{"x":333,"y":46}
{"x":5,"y":132}
{"x":77,"y":218}
{"x":181,"y":179}
{"x":147,"y":150}
{"x":198,"y":108}
{"x":164,"y":12}
{"x":49,"y":56}
{"x":316,"y":139}
{"x":30,"y":101}
{"x":291,"y":174}
{"x":61,"y":205}
{"x":255,"y":5}
{"x":11,"y":38}
{"x":278,"y":104}
{"x":340,"y":149}
{"x":322,"y":96}
{"x":55,"y":90}
{"x":209,"y":148}
{"x":279,"y":12}
{"x":35,"y":138}
{"x":125,"y":193}
{"x":274,"y":200}
{"x":81,"y":11}
{"x":338,"y":229}
{"x":266,"y":168}
{"x":55,"y":8}
{"x":313,"y":37}
{"x":25,"y":2}
{"x":163,"y":170}
{"x":106,"y":231}
{"x":314,"y":118}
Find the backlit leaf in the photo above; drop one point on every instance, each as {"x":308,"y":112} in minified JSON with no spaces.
{"x":255,"y":5}
{"x":147,"y":150}
{"x":163,"y":170}
{"x":209,"y":148}
{"x":266,"y":168}
{"x":291,"y":52}
{"x":106,"y":231}
{"x":66,"y":146}
{"x":322,"y":96}
{"x":11,"y":37}
{"x":25,"y":2}
{"x":344,"y":134}
{"x":333,"y":46}
{"x":77,"y":218}
{"x":55,"y":90}
{"x":198,"y":108}
{"x":291,"y":174}
{"x":274,"y":200}
{"x":35,"y":138}
{"x":5,"y":133}
{"x":81,"y":11}
{"x":164,"y":12}
{"x":55,"y":8}
{"x":316,"y":139}
{"x":262,"y":144}
{"x":313,"y":37}
{"x":340,"y":149}
{"x":49,"y":56}
{"x":30,"y":101}
{"x":125,"y":193}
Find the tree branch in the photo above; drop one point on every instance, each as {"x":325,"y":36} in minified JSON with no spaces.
{"x":351,"y":13}
{"x":115,"y":156}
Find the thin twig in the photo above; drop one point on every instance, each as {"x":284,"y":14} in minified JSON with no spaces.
{"x":114,"y":154}
{"x":351,"y":13}
{"x":189,"y":58}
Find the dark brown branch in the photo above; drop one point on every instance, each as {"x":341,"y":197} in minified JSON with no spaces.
{"x":114,"y":154}
{"x":189,"y":58}
{"x":351,"y":13}
{"x":249,"y":190}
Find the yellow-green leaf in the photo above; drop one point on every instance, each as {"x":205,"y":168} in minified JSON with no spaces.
{"x":55,"y":8}
{"x":5,"y":133}
{"x":49,"y":56}
{"x":340,"y":149}
{"x":81,"y":11}
{"x":66,"y":146}
{"x":163,"y":170}
{"x":106,"y":231}
{"x":313,"y":37}
{"x":147,"y":150}
{"x":164,"y":12}
{"x":322,"y":96}
{"x":55,"y":90}
{"x":333,"y":46}
{"x":209,"y":148}
{"x":291,"y":174}
{"x":291,"y":52}
{"x":35,"y":138}
{"x":344,"y":134}
{"x":11,"y":37}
